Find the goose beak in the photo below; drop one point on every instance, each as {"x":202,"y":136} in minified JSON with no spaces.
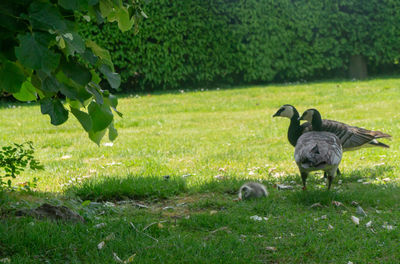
{"x":278,"y":113}
{"x":301,"y":118}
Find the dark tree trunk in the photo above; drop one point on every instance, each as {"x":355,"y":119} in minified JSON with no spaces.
{"x":358,"y":67}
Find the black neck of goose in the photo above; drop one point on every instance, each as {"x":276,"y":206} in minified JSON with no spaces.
{"x":317,"y":122}
{"x":294,"y":131}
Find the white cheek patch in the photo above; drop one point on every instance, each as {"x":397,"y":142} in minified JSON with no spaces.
{"x":288,"y":112}
{"x":308,"y":116}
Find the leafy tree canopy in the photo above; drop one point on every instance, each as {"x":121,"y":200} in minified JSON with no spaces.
{"x":44,"y":58}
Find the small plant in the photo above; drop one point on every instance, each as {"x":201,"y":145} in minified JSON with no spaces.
{"x":13,"y":160}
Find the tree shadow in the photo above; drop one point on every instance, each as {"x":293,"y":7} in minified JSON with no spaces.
{"x":367,"y":173}
{"x":363,"y":186}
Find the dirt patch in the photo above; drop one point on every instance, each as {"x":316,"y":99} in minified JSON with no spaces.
{"x":49,"y":211}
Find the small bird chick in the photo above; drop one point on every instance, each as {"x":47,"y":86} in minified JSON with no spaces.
{"x":251,"y":190}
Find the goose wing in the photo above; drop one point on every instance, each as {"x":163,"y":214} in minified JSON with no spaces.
{"x":350,"y":136}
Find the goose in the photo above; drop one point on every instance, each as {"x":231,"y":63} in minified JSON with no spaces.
{"x":252,"y":190}
{"x":351,"y":137}
{"x":318,"y":150}
{"x":295,"y":129}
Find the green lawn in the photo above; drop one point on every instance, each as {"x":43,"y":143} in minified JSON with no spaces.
{"x":209,"y":143}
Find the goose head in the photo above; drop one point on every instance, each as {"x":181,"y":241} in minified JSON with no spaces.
{"x":245,"y":193}
{"x":286,"y":110}
{"x":311,"y":115}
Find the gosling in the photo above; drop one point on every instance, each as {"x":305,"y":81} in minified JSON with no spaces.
{"x":252,"y":190}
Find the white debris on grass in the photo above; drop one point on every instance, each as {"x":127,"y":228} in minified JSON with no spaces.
{"x":361,"y":211}
{"x":110,"y":237}
{"x":101,"y":225}
{"x":388,"y":227}
{"x":284,"y":187}
{"x":321,"y":218}
{"x":271,"y":248}
{"x":101,"y":245}
{"x":258,"y":218}
{"x":355,"y":220}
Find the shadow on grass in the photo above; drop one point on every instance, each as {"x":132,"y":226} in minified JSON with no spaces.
{"x":211,"y":87}
{"x":367,"y":173}
{"x":375,"y":193}
{"x":112,"y":188}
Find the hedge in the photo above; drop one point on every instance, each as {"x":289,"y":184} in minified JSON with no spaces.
{"x":203,"y":42}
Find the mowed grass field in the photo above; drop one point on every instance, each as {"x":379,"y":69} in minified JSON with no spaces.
{"x":208,"y":142}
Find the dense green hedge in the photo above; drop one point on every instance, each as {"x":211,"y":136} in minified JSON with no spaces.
{"x":212,"y":41}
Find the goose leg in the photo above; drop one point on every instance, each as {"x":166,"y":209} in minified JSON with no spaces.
{"x":304,"y":178}
{"x":331,"y":175}
{"x":330,"y":178}
{"x":337,"y":173}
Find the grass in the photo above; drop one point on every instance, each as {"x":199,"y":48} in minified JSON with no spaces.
{"x":193,"y":137}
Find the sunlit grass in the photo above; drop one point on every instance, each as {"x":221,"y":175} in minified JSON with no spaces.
{"x":209,"y":143}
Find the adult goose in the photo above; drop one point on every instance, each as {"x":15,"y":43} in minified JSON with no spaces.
{"x":351,"y":137}
{"x":318,"y":150}
{"x":295,"y":129}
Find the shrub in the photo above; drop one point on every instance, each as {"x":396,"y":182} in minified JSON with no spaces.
{"x":210,"y":41}
{"x":14,"y":159}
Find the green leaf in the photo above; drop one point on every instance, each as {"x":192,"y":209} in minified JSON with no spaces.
{"x":113,"y":78}
{"x":90,"y":57}
{"x":11,"y":77}
{"x":106,"y":7}
{"x":83,"y":118}
{"x":95,"y":77}
{"x":74,"y":5}
{"x":93,"y":2}
{"x":125,"y":23}
{"x":49,"y":82}
{"x":78,"y":73}
{"x":71,"y":89}
{"x":34,"y":53}
{"x":113,"y":100}
{"x":55,"y":109}
{"x":100,"y":52}
{"x":45,"y":16}
{"x":74,"y":44}
{"x":97,"y":136}
{"x":112,"y":132}
{"x":27,"y":92}
{"x":86,"y":203}
{"x":95,"y":91}
{"x":101,"y":116}
{"x":74,"y":103}
{"x":70,"y":92}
